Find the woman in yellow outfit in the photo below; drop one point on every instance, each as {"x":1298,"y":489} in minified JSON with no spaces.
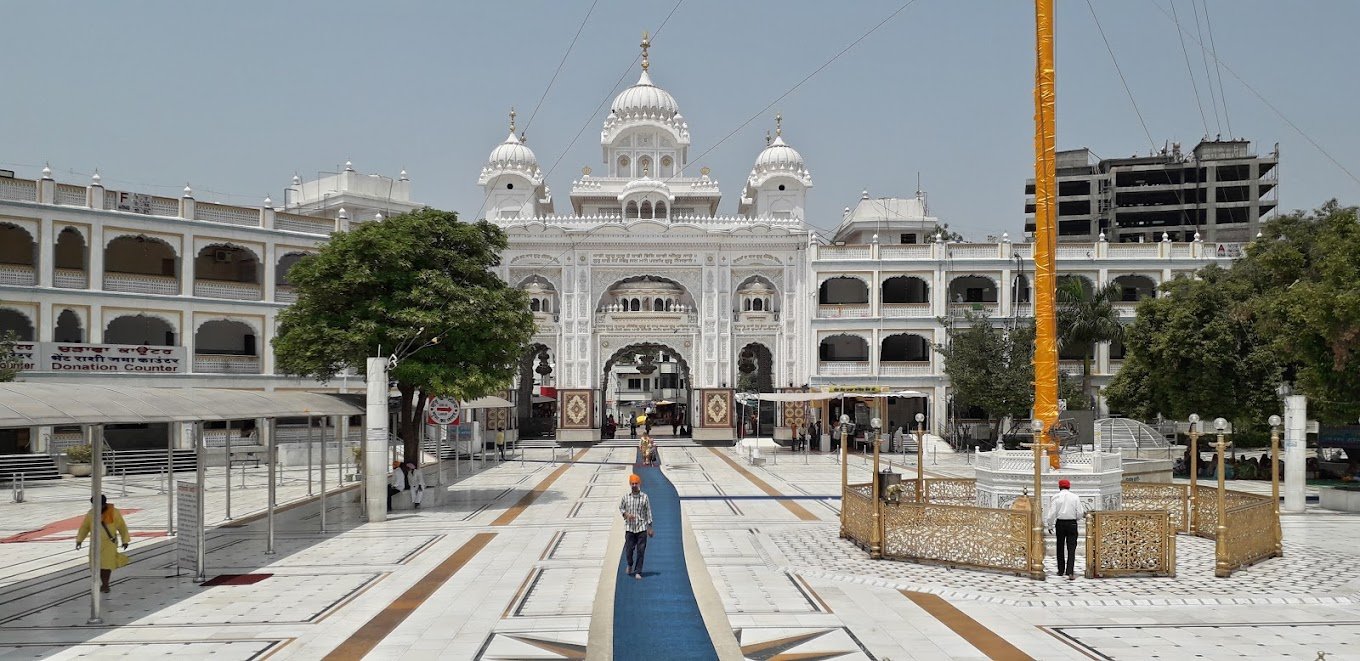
{"x":110,"y":558}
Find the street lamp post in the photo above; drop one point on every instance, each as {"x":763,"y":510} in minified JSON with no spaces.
{"x":1275,"y":481}
{"x":1194,"y":471}
{"x":1221,"y":567}
{"x":876,"y":533}
{"x":845,"y":475}
{"x":920,"y":470}
{"x":1036,"y":566}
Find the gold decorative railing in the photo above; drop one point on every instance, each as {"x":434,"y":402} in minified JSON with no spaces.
{"x":940,"y":491}
{"x":958,"y":536}
{"x":1206,"y":512}
{"x":1250,"y":533}
{"x":1173,"y":498}
{"x":857,"y":513}
{"x":1126,"y":543}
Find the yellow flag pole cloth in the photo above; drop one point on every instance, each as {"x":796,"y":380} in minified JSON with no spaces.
{"x":1045,"y":227}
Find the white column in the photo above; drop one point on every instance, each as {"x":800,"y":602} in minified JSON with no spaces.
{"x":43,"y":331}
{"x":375,"y":441}
{"x":94,"y":242}
{"x":94,"y":331}
{"x":187,"y":254}
{"x":265,"y":345}
{"x":1295,"y":425}
{"x":270,"y":269}
{"x":47,"y":252}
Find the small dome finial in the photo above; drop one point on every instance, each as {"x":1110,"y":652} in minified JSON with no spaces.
{"x":646,"y":43}
{"x":378,"y":216}
{"x":95,"y":177}
{"x":512,"y":119}
{"x":349,"y":166}
{"x":343,"y":215}
{"x":268,"y":202}
{"x":297,"y":181}
{"x":47,"y":171}
{"x":864,"y":195}
{"x":403,"y":176}
{"x":188,"y":192}
{"x":778,"y":124}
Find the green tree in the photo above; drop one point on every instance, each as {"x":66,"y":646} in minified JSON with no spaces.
{"x":1087,"y":317}
{"x":991,"y":367}
{"x":9,"y":358}
{"x":419,"y":283}
{"x":1196,"y":350}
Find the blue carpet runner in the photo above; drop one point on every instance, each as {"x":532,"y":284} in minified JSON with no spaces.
{"x":658,"y":617}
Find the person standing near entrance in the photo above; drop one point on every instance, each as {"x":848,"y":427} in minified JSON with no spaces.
{"x":637,"y":516}
{"x":1063,"y":511}
{"x":415,"y":481}
{"x":111,"y":526}
{"x":396,"y":483}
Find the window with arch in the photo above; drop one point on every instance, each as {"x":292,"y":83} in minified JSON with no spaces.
{"x":623,"y":167}
{"x":69,"y":328}
{"x":636,"y":305}
{"x":645,"y":167}
{"x":843,"y":348}
{"x":667,"y":166}
{"x":758,"y":305}
{"x":843,"y":290}
{"x":658,"y":305}
{"x":535,"y":305}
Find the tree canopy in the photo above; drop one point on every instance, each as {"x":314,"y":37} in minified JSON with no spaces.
{"x":1220,"y":344}
{"x":419,"y":281}
{"x":991,"y":367}
{"x":1087,"y":317}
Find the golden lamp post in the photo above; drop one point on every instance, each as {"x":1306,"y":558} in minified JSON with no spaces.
{"x":1194,"y":470}
{"x":1036,"y":565}
{"x":1221,"y":567}
{"x":920,"y":455}
{"x":1275,"y":481}
{"x":876,"y":533}
{"x":845,"y":475}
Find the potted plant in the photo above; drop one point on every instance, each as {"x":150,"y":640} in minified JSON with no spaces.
{"x":78,"y":461}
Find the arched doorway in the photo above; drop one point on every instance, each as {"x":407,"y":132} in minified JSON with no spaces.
{"x":535,"y":413}
{"x":755,"y":373}
{"x":643,"y":376}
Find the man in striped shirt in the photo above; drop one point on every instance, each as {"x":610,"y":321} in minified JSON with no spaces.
{"x":637,"y":515}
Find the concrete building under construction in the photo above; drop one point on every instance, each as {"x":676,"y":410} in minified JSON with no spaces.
{"x":1220,"y":190}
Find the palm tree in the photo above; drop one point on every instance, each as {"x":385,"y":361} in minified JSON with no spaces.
{"x":1087,"y":317}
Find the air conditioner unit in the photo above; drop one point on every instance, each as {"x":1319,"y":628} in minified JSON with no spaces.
{"x":222,"y":256}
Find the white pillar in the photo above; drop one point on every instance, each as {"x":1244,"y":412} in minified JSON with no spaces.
{"x":1295,"y":425}
{"x":375,"y":441}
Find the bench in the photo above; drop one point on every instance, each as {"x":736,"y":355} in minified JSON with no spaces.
{"x":251,"y":455}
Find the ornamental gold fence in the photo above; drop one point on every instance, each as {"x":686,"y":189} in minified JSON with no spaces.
{"x":1251,"y":533}
{"x":941,"y":491}
{"x":1173,"y":498}
{"x":959,"y":536}
{"x":857,"y":513}
{"x":1130,"y":543}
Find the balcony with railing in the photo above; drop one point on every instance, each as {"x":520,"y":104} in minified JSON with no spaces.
{"x":236,"y":291}
{"x":18,"y":274}
{"x":141,"y":283}
{"x":843,"y":311}
{"x":843,"y":368}
{"x":905,"y":310}
{"x":905,"y":368}
{"x":844,"y":252}
{"x":70,"y":278}
{"x":285,"y":294}
{"x":226,"y":364}
{"x":989,"y":308}
{"x":290,"y":222}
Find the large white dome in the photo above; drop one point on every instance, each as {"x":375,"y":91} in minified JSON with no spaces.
{"x":780,"y":156}
{"x":644,"y":98}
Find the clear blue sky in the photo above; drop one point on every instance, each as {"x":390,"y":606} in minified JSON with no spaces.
{"x":235,"y":97}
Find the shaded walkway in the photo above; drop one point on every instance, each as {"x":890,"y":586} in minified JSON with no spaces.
{"x":658,"y":617}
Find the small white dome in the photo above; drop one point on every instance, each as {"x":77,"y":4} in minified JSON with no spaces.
{"x":646,"y":185}
{"x":646,"y":99}
{"x":512,"y":155}
{"x":780,"y":156}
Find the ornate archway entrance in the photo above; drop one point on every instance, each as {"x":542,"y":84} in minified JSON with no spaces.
{"x":642,"y":377}
{"x":535,"y":414}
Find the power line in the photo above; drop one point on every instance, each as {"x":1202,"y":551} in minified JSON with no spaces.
{"x":563,"y":61}
{"x":1209,"y":77}
{"x":1119,"y":71}
{"x":1269,"y":105}
{"x":1175,"y":18}
{"x":1222,"y":97}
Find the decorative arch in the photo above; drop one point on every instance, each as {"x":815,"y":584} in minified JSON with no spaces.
{"x":71,"y":251}
{"x":647,"y":347}
{"x":233,"y":337}
{"x":843,"y":290}
{"x":1135,"y":287}
{"x":843,"y":347}
{"x":973,"y":288}
{"x":140,"y":254}
{"x":18,"y":322}
{"x":608,"y":294}
{"x":905,"y":289}
{"x":227,"y":262}
{"x":1021,"y":292}
{"x":904,"y":347}
{"x":148,"y":329}
{"x":286,"y":264}
{"x":755,"y":368}
{"x":69,"y":328}
{"x":1088,"y":285}
{"x":17,"y":245}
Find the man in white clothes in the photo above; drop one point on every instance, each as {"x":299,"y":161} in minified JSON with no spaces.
{"x":1063,"y":512}
{"x":415,"y":481}
{"x":396,"y":483}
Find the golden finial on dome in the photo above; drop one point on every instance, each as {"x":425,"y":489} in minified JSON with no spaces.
{"x":704,"y":171}
{"x":646,"y":43}
{"x":586,"y":170}
{"x":512,"y":119}
{"x":778,"y":124}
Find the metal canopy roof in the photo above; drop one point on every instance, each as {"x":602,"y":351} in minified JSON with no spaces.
{"x":27,"y":404}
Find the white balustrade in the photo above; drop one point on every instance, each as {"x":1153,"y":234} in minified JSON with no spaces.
{"x":904,"y":368}
{"x":138,"y":283}
{"x":908,"y":251}
{"x":237,"y":291}
{"x":165,"y":206}
{"x":226,"y":364}
{"x":848,"y":311}
{"x":1135,"y":250}
{"x":843,"y":368}
{"x":1072,"y":367}
{"x":843,"y":252}
{"x":290,"y":222}
{"x":975,"y":250}
{"x":18,"y":274}
{"x":990,"y":308}
{"x":71,"y":196}
{"x":1076,"y":251}
{"x":25,"y":190}
{"x":905,"y":310}
{"x":285,"y":294}
{"x":70,"y":278}
{"x":221,"y":213}
{"x":1181,"y":251}
{"x":1125,"y":308}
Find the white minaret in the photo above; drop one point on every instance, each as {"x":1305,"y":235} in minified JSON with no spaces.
{"x":513,"y":181}
{"x":778,"y":184}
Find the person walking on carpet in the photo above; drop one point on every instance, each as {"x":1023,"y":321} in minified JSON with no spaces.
{"x":636,"y":509}
{"x":1064,"y":510}
{"x":112,"y":526}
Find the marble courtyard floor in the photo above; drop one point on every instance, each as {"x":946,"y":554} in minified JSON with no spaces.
{"x":510,"y":564}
